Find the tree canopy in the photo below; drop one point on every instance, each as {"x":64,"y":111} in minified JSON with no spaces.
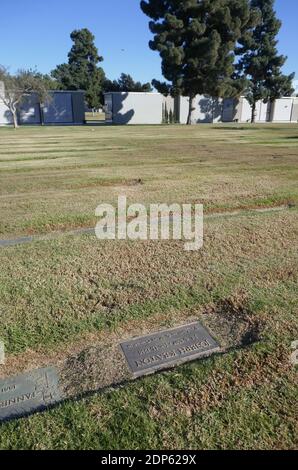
{"x":82,"y":71}
{"x":127,"y":84}
{"x":49,"y":82}
{"x":260,"y":62}
{"x":196,"y":41}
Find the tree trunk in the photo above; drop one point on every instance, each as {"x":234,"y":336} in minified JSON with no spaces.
{"x":41,"y":114}
{"x":253,"y":113}
{"x":15,"y":118}
{"x":190,"y":111}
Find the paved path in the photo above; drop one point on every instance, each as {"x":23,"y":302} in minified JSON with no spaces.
{"x":82,"y":231}
{"x":50,"y":236}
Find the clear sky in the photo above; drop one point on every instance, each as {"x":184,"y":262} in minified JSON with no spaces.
{"x":35,"y":33}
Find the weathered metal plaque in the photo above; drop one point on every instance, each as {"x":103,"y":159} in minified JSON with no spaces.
{"x":170,"y":347}
{"x":24,"y":394}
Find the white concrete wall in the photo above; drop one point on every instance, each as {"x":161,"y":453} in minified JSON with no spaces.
{"x":136,"y":108}
{"x":294,"y":117}
{"x":263,"y":111}
{"x":282,"y":110}
{"x":245,"y":115}
{"x":5,"y":115}
{"x":207,"y":110}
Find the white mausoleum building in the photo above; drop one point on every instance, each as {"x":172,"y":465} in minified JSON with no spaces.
{"x":149,"y":108}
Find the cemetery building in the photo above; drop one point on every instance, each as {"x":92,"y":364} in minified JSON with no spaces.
{"x":283,"y":110}
{"x":64,"y":107}
{"x":153,"y":108}
{"x":134,"y":108}
{"x":213,"y":110}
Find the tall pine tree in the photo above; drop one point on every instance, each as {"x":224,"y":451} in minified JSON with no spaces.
{"x":196,"y":40}
{"x":260,"y":62}
{"x":82,"y":71}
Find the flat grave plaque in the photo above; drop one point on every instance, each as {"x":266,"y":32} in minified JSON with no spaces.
{"x":170,"y":347}
{"x":24,"y":394}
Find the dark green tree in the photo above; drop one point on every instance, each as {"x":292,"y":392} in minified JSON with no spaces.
{"x":260,"y":62}
{"x":49,"y":82}
{"x":127,"y":84}
{"x":82,"y":71}
{"x":166,"y":115}
{"x":196,"y":40}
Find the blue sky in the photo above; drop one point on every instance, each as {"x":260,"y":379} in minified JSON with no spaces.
{"x":35,"y":33}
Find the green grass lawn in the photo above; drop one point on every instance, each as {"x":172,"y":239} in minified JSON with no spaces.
{"x":61,"y":295}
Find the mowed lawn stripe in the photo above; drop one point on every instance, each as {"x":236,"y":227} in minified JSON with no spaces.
{"x":84,"y":284}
